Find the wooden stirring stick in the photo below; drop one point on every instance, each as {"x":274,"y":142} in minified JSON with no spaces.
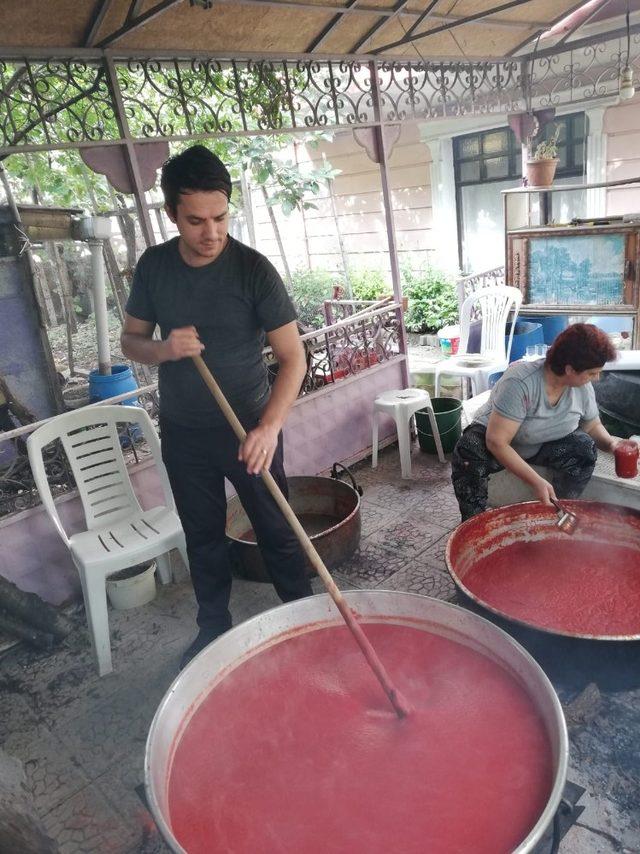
{"x":397,"y":701}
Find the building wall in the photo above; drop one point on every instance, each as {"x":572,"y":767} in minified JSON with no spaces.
{"x":312,"y":240}
{"x":622,"y":128}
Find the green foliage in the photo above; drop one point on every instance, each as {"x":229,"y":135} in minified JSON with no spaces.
{"x":288,"y":183}
{"x":57,"y":178}
{"x":548,"y":148}
{"x":368,"y":284}
{"x":60,"y":178}
{"x":310,"y":288}
{"x":432,"y":297}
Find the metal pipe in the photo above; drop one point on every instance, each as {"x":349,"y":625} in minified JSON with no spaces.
{"x":100,"y":307}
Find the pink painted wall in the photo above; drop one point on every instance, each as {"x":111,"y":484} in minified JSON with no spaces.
{"x":328,"y":426}
{"x":622,"y":127}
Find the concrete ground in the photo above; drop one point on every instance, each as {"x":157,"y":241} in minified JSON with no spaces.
{"x":82,"y":738}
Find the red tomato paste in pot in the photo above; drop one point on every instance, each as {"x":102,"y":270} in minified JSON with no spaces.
{"x":569,"y":585}
{"x":297,"y":750}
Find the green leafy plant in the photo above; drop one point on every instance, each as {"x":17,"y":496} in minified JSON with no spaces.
{"x":310,"y":288}
{"x":548,"y":148}
{"x":433,"y":302}
{"x":368,"y":284}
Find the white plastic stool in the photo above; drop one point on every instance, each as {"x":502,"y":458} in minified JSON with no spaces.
{"x":402,"y":405}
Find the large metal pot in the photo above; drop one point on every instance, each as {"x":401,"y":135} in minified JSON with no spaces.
{"x":599,"y":524}
{"x":329,"y":511}
{"x":409,"y":609}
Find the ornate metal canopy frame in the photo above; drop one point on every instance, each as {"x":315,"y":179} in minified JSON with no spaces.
{"x":96,"y":97}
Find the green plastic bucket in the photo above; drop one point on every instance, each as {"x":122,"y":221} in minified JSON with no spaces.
{"x":448,"y":412}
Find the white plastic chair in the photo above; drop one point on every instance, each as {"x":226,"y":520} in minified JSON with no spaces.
{"x":402,"y":405}
{"x":119,"y":532}
{"x":494,"y":306}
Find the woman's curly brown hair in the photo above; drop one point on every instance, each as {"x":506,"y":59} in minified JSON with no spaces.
{"x":583,"y":346}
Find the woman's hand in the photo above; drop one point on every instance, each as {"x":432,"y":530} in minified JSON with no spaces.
{"x":543,"y":491}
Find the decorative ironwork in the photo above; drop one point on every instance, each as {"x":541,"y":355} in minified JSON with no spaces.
{"x":582,"y":74}
{"x":439,"y":90}
{"x":347,"y":348}
{"x":48,"y":103}
{"x":53,"y":102}
{"x":17,"y":488}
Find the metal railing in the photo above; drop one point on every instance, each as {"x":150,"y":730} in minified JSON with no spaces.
{"x":343,"y":349}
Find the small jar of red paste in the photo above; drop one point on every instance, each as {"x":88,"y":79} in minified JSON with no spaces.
{"x":626,"y":454}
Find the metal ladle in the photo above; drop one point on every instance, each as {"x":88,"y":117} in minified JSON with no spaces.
{"x":567,"y":520}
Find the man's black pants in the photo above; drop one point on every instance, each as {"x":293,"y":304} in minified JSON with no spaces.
{"x":572,"y":459}
{"x":198,"y":461}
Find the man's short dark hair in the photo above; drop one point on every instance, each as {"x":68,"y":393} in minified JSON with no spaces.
{"x":195,"y":169}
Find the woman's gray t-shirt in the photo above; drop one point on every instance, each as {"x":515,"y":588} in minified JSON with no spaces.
{"x":520,"y":395}
{"x":232,"y":302}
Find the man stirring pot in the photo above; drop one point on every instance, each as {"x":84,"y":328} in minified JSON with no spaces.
{"x":213,"y":296}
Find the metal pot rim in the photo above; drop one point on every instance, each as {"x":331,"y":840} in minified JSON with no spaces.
{"x":452,"y":618}
{"x":340,"y":484}
{"x":620,"y":510}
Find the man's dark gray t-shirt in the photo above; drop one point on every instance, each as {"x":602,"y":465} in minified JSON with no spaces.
{"x":232,"y":302}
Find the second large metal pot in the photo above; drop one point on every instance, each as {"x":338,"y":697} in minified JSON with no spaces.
{"x":329,"y":511}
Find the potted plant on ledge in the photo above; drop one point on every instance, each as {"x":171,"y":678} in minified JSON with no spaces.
{"x":542,"y":164}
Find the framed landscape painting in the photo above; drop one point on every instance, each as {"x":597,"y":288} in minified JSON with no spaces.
{"x":575,"y":267}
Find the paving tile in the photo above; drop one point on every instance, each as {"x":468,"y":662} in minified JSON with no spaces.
{"x":423,"y":576}
{"x":88,"y":824}
{"x":435,"y":553}
{"x":16,"y":716}
{"x":374,"y":518}
{"x":370,"y":566}
{"x":118,"y":786}
{"x":406,"y":537}
{"x":107,"y":731}
{"x":51,"y":773}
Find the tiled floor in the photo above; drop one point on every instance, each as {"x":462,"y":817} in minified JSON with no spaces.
{"x":82,"y":738}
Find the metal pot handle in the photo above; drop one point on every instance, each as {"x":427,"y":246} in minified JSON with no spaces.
{"x":336,"y":476}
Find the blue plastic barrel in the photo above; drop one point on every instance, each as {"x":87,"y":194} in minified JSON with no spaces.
{"x":525,"y":335}
{"x":552,"y":325}
{"x":119,"y":381}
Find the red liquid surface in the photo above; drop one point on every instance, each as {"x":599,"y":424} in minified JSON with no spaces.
{"x":578,"y":587}
{"x":298,"y":751}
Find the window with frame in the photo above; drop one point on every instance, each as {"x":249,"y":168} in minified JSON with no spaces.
{"x":487,"y":162}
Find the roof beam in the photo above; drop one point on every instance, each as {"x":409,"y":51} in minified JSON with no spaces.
{"x":585,"y":41}
{"x":582,"y":22}
{"x":444,"y":27}
{"x":135,"y":23}
{"x":97,"y":17}
{"x":134,"y":9}
{"x":546,"y":28}
{"x":424,"y":14}
{"x":322,"y":35}
{"x":397,"y":8}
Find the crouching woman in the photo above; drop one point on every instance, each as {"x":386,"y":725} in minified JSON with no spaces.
{"x":539,"y":413}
